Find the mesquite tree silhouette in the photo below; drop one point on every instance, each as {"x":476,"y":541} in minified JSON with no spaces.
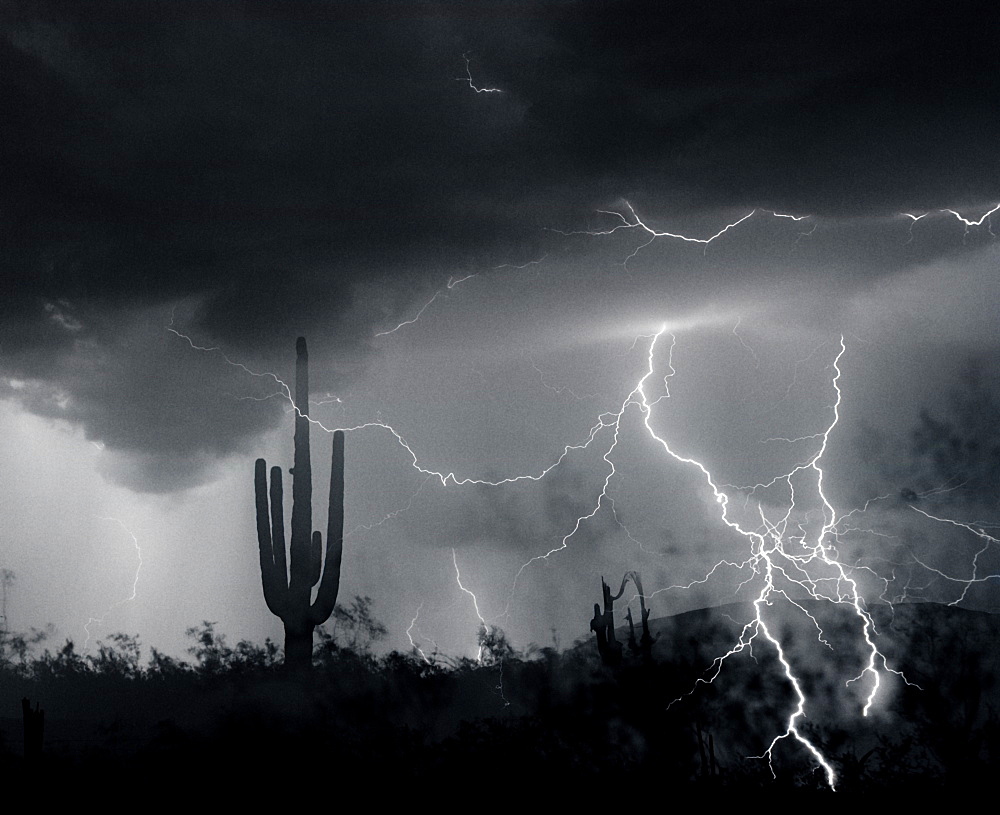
{"x":288,"y":590}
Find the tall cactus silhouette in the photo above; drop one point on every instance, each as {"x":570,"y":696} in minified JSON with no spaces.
{"x":288,"y":589}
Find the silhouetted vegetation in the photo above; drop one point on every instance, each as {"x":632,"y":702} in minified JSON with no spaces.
{"x":514,"y":720}
{"x":289,"y":581}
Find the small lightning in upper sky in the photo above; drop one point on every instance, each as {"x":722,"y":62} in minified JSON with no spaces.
{"x":451,"y":284}
{"x":468,"y":78}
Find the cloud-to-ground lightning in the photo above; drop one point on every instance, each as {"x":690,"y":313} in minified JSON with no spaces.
{"x":135,"y":583}
{"x":780,"y":547}
{"x":773,"y":551}
{"x":409,"y":636}
{"x":484,"y":626}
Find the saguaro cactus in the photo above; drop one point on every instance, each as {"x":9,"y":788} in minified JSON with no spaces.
{"x":646,"y":643}
{"x":604,"y":626}
{"x":288,"y":589}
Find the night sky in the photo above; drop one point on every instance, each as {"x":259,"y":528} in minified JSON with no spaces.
{"x":427,"y":192}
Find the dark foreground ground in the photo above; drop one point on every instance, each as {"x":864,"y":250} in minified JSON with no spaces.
{"x":559,"y":727}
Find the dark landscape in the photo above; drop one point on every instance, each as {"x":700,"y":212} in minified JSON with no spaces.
{"x":514,"y":721}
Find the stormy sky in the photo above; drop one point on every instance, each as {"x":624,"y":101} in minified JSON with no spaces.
{"x":428,"y":193}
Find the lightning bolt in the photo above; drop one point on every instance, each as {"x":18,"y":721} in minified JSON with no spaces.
{"x":558,"y":391}
{"x":484,"y":626}
{"x":135,"y":583}
{"x":468,"y":78}
{"x":913,"y":223}
{"x":651,"y":235}
{"x":756,"y":360}
{"x":967,"y":223}
{"x":409,"y":636}
{"x":772,"y":551}
{"x":966,"y":583}
{"x":451,"y":284}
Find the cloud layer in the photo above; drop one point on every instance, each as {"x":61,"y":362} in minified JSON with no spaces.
{"x":318,"y":168}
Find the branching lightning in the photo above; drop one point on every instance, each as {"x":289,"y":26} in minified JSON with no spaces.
{"x":756,"y":359}
{"x":774,"y":553}
{"x":965,"y":583}
{"x":651,"y":235}
{"x":782,"y":550}
{"x":967,"y":223}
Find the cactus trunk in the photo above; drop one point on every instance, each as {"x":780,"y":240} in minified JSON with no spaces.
{"x":288,"y":583}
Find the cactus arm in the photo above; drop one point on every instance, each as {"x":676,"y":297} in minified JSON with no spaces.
{"x":621,"y":591}
{"x":326,"y":596}
{"x":315,"y":558}
{"x":273,"y":591}
{"x":278,"y":529}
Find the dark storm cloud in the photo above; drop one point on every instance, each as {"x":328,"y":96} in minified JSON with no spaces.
{"x":265,"y":159}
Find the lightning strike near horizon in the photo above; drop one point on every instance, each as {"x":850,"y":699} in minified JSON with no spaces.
{"x":484,"y":626}
{"x":772,"y":550}
{"x":135,"y":582}
{"x":409,"y":636}
{"x":774,"y":553}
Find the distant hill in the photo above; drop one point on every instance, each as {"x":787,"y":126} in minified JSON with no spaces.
{"x":952,"y":654}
